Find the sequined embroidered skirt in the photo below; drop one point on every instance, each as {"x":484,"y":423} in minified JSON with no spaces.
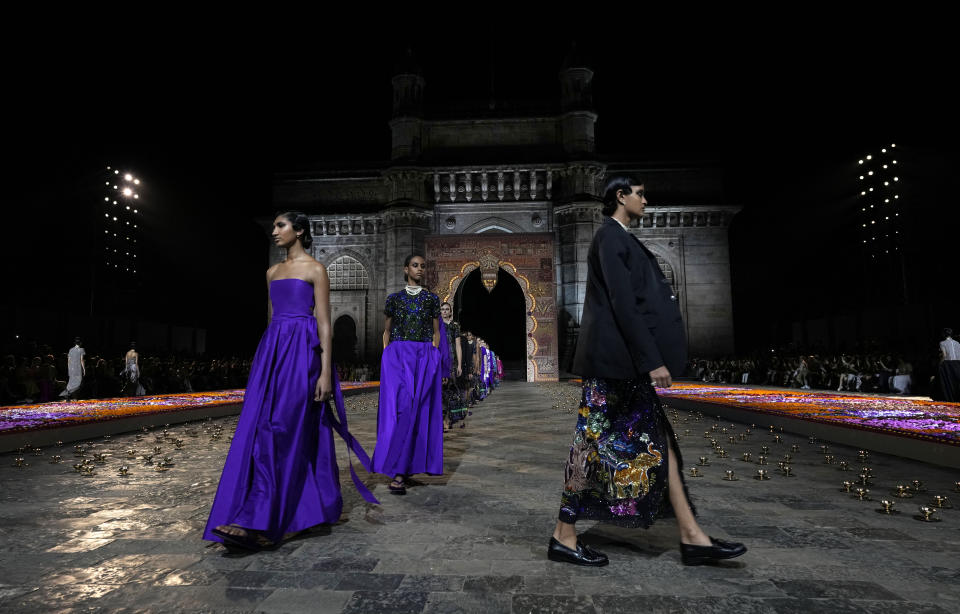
{"x":617,"y":468}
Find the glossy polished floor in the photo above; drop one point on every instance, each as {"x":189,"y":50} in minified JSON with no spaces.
{"x":474,"y":540}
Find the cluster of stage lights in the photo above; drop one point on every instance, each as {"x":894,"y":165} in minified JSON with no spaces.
{"x":879,"y":185}
{"x":121,"y":207}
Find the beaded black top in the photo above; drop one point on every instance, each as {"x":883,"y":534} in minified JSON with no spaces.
{"x":412,"y":316}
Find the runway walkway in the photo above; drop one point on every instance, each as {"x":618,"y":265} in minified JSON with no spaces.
{"x":474,"y":540}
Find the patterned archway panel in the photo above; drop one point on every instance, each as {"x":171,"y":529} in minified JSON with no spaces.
{"x":528,"y":257}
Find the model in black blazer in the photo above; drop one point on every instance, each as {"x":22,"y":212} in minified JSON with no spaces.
{"x":631,"y":322}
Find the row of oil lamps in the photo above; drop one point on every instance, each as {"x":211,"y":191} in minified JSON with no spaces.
{"x":857,"y":487}
{"x":87,"y":467}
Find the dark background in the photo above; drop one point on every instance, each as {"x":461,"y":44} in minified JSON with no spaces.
{"x":206,"y":122}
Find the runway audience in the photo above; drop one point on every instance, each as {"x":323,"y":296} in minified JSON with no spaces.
{"x":878,"y":372}
{"x":25,"y":380}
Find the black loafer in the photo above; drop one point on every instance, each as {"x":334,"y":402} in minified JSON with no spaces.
{"x":583,"y":555}
{"x":698,"y":555}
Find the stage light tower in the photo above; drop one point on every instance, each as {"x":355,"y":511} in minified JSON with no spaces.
{"x":121,"y":224}
{"x":881,"y":215}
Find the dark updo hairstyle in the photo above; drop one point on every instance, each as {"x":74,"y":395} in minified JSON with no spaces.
{"x":406,"y":261}
{"x":613,"y":185}
{"x":947,"y":332}
{"x":300,"y":222}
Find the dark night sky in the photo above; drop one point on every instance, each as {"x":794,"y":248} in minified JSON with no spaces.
{"x":208,"y":125}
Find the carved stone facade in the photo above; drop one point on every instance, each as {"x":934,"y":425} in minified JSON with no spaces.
{"x":534,"y":220}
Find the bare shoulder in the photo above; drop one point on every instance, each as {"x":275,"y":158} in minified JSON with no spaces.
{"x":318,"y":270}
{"x":272,"y":271}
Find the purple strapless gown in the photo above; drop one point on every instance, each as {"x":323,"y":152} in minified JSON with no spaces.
{"x":281,"y":473}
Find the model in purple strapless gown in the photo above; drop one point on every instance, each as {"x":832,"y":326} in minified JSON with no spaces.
{"x":281,"y":473}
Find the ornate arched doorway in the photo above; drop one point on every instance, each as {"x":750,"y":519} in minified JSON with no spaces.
{"x":527,"y":260}
{"x":497,"y":315}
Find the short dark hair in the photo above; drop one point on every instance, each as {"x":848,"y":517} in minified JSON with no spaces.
{"x":411,"y":256}
{"x":948,"y":332}
{"x":76,"y":340}
{"x":614,"y":184}
{"x":300,"y":222}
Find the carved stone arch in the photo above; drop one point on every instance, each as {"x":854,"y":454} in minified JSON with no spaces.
{"x":328,"y":258}
{"x":666,"y":264}
{"x":492,"y":223}
{"x":530,"y":302}
{"x":672,"y":265}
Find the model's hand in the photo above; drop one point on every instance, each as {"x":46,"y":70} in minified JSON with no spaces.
{"x":661,"y":377}
{"x":459,"y":370}
{"x":436,"y":341}
{"x":324,"y":389}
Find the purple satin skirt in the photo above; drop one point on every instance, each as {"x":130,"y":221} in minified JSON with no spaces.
{"x":410,"y":419}
{"x":281,"y":473}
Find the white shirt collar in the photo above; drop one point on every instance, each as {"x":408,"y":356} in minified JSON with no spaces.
{"x":621,"y":223}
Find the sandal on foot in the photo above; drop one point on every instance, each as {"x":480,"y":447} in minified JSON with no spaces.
{"x":246,"y":541}
{"x":397,"y":487}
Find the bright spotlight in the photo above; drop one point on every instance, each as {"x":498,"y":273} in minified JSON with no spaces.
{"x":136,"y":182}
{"x":127,"y":192}
{"x":129,"y":177}
{"x":136,"y":196}
{"x":116,"y":172}
{"x":869,"y":157}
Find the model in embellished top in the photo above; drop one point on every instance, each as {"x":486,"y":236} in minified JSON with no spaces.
{"x":454,"y":409}
{"x":410,"y":415}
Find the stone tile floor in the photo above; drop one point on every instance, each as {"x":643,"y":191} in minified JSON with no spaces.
{"x":474,"y":539}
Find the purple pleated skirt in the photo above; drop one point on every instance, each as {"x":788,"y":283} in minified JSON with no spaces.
{"x":410,"y":418}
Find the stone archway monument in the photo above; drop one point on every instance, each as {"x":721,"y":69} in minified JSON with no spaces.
{"x":528,"y":257}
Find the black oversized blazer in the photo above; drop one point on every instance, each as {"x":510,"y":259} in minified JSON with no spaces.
{"x":631,"y":322}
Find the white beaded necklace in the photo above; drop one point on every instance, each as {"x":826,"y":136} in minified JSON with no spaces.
{"x":414,"y":290}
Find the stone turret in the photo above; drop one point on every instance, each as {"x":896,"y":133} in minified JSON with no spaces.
{"x":407,"y":123}
{"x":576,"y":102}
